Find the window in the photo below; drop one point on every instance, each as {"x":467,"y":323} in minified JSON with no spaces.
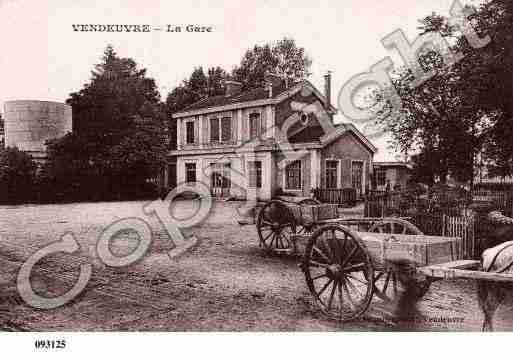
{"x":357,"y":176}
{"x":189,"y":132}
{"x":190,"y":172}
{"x":221,"y":131}
{"x":255,"y":125}
{"x":331,"y":174}
{"x":171,"y":175}
{"x":220,"y":182}
{"x":255,"y":174}
{"x":226,"y":129}
{"x":293,"y":176}
{"x":381,"y":177}
{"x":214,"y":130}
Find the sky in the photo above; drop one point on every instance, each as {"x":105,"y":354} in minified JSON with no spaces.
{"x":42,"y":58}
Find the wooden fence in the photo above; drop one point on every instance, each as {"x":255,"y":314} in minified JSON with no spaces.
{"x":501,"y":199}
{"x":387,"y":204}
{"x":340,"y":196}
{"x":463,"y":227}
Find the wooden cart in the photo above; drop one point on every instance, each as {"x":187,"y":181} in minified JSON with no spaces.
{"x":279,"y":220}
{"x":346,"y":262}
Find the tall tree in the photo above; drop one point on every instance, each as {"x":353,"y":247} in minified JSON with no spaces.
{"x":449,"y":115}
{"x":493,"y":71}
{"x":119,"y":121}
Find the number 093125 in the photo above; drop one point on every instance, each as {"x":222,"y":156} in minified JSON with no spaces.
{"x":50,"y":344}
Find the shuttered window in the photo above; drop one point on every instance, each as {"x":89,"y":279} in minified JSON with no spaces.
{"x":214,"y":130}
{"x":190,"y":172}
{"x":255,"y":125}
{"x":220,"y":130}
{"x":357,"y":176}
{"x":255,"y":174}
{"x":381,"y":177}
{"x":331,"y":174}
{"x":226,"y":129}
{"x":293,"y":176}
{"x":189,"y":132}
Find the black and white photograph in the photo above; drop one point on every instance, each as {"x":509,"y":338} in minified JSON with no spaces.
{"x":256,"y":166}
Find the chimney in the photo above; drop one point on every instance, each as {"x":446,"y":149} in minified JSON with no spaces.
{"x":274,"y":79}
{"x":269,"y":88}
{"x":233,"y":88}
{"x":327,"y":87}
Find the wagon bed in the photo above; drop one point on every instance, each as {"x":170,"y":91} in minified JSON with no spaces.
{"x":420,"y":250}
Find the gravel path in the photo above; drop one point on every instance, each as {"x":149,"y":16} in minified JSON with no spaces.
{"x":226,"y":283}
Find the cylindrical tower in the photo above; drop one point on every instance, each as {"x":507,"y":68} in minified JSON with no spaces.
{"x":28,"y":124}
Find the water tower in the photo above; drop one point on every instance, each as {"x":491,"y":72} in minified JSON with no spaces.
{"x":29,"y":124}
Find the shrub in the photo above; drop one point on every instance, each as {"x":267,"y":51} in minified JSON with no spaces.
{"x":17,"y":176}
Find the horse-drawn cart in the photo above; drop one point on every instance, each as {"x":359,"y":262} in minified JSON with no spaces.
{"x":346,"y":261}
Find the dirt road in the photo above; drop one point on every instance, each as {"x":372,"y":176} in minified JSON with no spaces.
{"x":226,"y":283}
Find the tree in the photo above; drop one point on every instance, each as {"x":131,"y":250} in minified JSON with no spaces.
{"x":196,"y":87}
{"x":283,"y":57}
{"x":119,"y":134}
{"x":117,"y":94}
{"x":427,"y":167}
{"x":68,"y":168}
{"x":436,"y":121}
{"x":451,"y":118}
{"x":493,"y":71}
{"x":17,"y":175}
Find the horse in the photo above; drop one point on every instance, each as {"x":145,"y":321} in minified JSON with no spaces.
{"x":497,"y":257}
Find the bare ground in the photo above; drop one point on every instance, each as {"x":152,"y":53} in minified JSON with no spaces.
{"x":226,"y":283}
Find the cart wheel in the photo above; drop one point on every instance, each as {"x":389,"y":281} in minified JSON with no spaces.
{"x":395,"y":226}
{"x":337,"y":268}
{"x":275,"y":226}
{"x":388,"y":283}
{"x":392,"y":283}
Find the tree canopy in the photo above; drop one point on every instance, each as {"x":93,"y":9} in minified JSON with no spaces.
{"x":465,"y":111}
{"x":118,"y":134}
{"x":284,"y":58}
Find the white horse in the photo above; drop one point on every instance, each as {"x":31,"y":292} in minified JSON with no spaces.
{"x":498,"y":259}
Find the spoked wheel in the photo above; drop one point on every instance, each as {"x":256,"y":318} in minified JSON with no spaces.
{"x":395,"y":226}
{"x":275,"y":226}
{"x":339,"y":272}
{"x":388,"y":282}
